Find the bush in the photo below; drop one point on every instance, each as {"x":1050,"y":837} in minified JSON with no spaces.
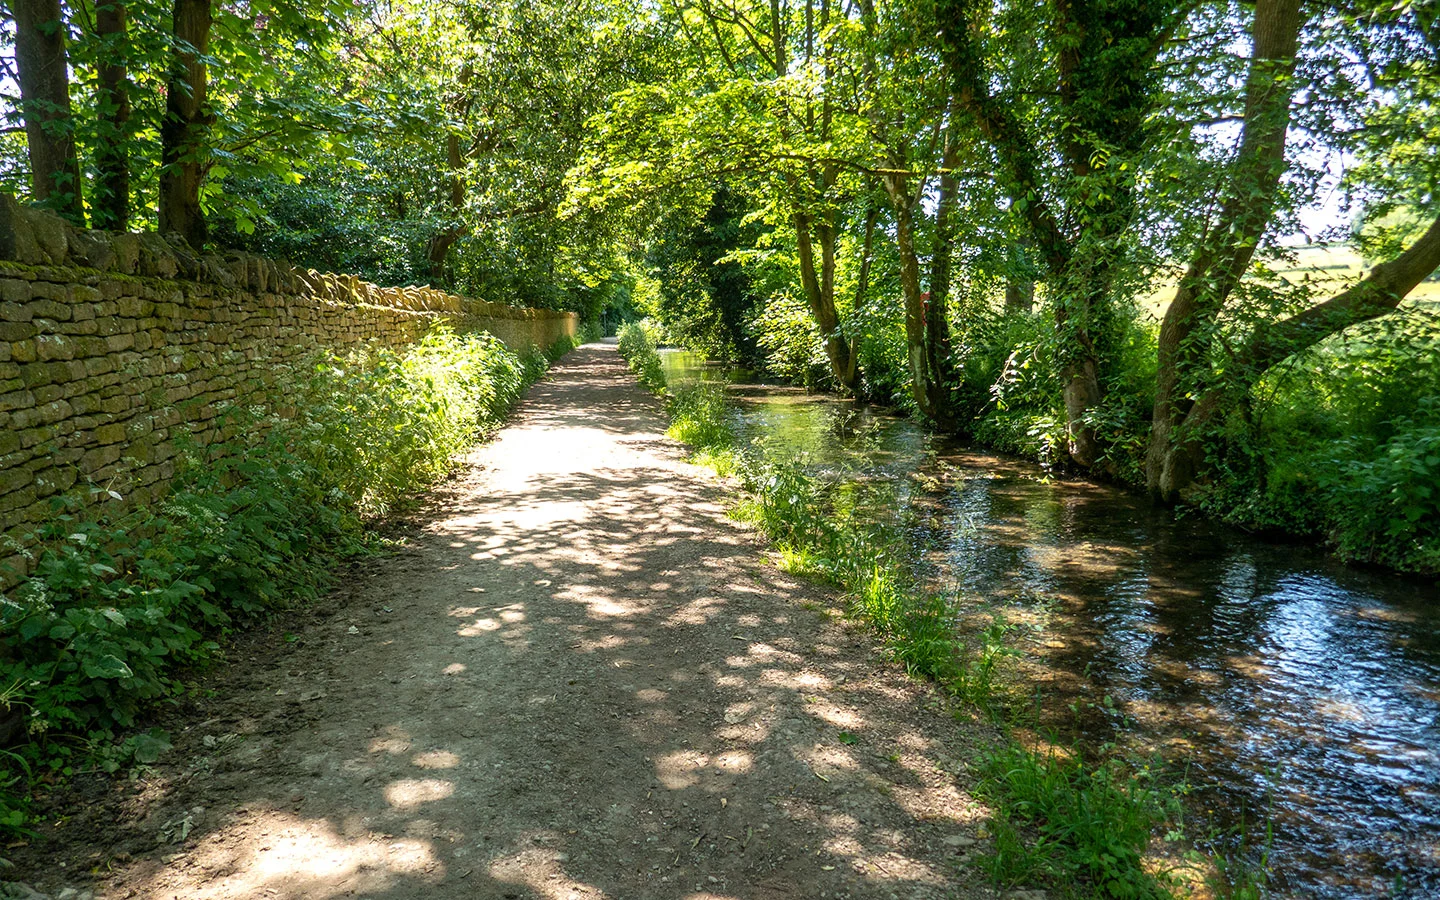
{"x":125,"y":598}
{"x":1344,"y":442}
{"x":638,"y":346}
{"x":1386,"y":502}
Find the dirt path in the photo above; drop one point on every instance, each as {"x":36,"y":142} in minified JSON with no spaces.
{"x":581,"y":680}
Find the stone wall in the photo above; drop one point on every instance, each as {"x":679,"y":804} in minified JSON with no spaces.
{"x":113,"y":344}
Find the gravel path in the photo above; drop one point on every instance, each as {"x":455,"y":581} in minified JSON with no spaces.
{"x":579,"y":680}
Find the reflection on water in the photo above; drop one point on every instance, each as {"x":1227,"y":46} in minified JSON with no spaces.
{"x":1289,"y":683}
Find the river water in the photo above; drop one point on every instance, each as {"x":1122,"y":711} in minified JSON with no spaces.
{"x":1294,"y":690}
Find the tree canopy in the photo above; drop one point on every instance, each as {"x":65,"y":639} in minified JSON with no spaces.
{"x":1068,"y":227}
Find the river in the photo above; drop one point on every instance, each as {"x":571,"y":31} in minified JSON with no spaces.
{"x":1293,"y":689}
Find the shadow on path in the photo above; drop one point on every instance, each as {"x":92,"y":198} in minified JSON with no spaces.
{"x":581,"y":681}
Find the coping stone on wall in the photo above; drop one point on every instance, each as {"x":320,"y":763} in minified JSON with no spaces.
{"x":37,"y":237}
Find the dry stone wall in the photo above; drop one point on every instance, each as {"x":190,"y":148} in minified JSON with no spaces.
{"x":111,"y":345}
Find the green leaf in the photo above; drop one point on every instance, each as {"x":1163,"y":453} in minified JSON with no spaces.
{"x":150,"y":746}
{"x":107,"y":666}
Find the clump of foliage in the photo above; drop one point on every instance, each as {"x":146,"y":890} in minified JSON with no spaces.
{"x":698,"y":417}
{"x":638,"y":345}
{"x":1090,"y":822}
{"x":1344,"y":442}
{"x":126,"y":599}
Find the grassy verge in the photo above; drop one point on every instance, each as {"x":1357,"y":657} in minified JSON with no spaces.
{"x":125,"y":599}
{"x":1081,"y":827}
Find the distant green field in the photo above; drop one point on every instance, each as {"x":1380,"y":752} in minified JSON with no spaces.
{"x":1328,"y":268}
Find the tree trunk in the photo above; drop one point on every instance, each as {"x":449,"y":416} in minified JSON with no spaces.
{"x":185,"y":126}
{"x":1174,"y":457}
{"x":921,"y":341}
{"x":43,"y":72}
{"x":439,"y":248}
{"x":921,"y":378}
{"x":937,"y":311}
{"x":110,"y":200}
{"x":820,"y":292}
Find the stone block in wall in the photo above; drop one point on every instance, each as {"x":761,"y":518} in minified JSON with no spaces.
{"x":31,"y":236}
{"x":15,"y":291}
{"x":91,"y":249}
{"x":157,"y":260}
{"x":47,"y":308}
{"x":16,"y":400}
{"x":54,"y":346}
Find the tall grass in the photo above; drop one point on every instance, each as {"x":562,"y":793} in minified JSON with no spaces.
{"x":1058,"y":817}
{"x":125,"y":599}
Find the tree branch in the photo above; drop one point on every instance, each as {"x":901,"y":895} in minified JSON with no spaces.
{"x":1380,"y":293}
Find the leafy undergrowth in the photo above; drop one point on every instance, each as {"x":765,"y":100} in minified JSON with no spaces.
{"x":125,"y":599}
{"x":1080,"y":827}
{"x":638,"y":346}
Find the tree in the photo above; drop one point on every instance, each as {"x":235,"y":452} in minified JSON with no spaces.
{"x":184,"y":129}
{"x":1200,"y":373}
{"x":914,"y":122}
{"x":42,"y":69}
{"x":1079,"y":204}
{"x":702,"y":293}
{"x":110,"y":197}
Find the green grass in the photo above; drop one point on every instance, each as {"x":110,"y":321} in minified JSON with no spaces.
{"x":1060,"y":819}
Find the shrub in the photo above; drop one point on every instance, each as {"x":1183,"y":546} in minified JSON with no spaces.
{"x":638,"y":346}
{"x":1341,"y":442}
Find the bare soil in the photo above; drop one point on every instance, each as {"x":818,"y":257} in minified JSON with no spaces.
{"x":579,"y":679}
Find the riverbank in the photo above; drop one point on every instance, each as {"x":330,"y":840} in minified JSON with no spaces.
{"x":1292,"y":687}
